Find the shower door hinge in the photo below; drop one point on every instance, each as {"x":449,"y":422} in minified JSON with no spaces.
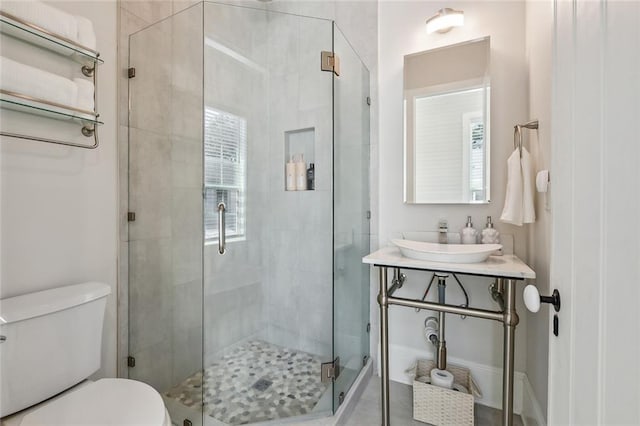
{"x":131,"y":362}
{"x":330,"y":62}
{"x":368,"y":327}
{"x":131,"y":216}
{"x":187,"y":422}
{"x":131,"y":72}
{"x":369,"y":100}
{"x":368,"y":214}
{"x":330,"y":370}
{"x":341,"y":398}
{"x":364,"y":360}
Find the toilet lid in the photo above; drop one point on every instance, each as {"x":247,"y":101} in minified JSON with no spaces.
{"x":104,"y":402}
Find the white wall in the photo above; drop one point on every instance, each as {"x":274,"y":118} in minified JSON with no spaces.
{"x":58,"y":204}
{"x":402,"y":31}
{"x":539,"y":61}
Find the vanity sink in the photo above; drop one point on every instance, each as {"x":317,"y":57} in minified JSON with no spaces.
{"x":448,"y":253}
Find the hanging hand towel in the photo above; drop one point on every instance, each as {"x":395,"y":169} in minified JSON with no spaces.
{"x":518,"y":203}
{"x":512,"y":212}
{"x":528,"y":208}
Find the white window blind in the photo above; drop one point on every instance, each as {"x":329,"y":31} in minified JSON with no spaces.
{"x":443,"y":161}
{"x":225,"y":154}
{"x":476,"y":162}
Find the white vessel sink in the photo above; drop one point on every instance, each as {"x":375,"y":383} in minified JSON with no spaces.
{"x":447,"y":253}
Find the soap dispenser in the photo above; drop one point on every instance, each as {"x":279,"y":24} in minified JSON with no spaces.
{"x":490,"y":235}
{"x":468,"y":235}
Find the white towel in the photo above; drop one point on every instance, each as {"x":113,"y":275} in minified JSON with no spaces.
{"x":86,"y":36}
{"x":26,"y":80}
{"x":518,"y":203}
{"x":45,"y":16}
{"x":528,"y":186}
{"x":85,"y":94}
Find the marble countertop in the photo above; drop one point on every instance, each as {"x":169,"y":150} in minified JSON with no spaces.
{"x":507,"y":266}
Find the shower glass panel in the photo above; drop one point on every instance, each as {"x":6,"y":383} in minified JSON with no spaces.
{"x":350,"y":215}
{"x":165,"y":184}
{"x":267,"y":300}
{"x":223,"y":98}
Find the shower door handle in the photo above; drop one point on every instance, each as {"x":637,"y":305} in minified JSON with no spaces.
{"x":221,"y":228}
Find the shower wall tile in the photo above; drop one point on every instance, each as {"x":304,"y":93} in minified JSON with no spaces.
{"x":186,"y":114}
{"x":187,"y":261}
{"x":150,"y":292}
{"x":180,"y":5}
{"x":187,"y":305}
{"x":150,"y":11}
{"x":148,"y":89}
{"x":186,"y":162}
{"x":187,"y":353}
{"x":149,"y":184}
{"x":284,"y":43}
{"x":154,"y":365}
{"x":128,"y":24}
{"x":232,"y":316}
{"x":318,"y":9}
{"x":186,"y":213}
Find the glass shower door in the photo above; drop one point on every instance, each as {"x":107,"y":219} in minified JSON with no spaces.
{"x":350,"y":215}
{"x":267,"y":299}
{"x":165,"y":184}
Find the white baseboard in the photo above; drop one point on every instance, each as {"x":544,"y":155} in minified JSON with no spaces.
{"x":488,"y":378}
{"x":532,"y":414}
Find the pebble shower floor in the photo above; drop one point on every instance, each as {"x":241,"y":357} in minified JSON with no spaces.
{"x":255,"y":382}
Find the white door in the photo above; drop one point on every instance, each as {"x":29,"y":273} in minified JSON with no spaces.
{"x":594,"y":363}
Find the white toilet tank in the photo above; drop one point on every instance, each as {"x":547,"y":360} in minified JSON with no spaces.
{"x":51,"y":341}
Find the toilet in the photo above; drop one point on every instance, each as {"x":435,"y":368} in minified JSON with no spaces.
{"x":50,"y":343}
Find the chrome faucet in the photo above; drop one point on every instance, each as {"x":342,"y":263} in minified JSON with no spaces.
{"x":442,"y":232}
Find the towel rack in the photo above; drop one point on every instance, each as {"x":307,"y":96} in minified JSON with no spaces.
{"x":517,"y":133}
{"x":89,"y":60}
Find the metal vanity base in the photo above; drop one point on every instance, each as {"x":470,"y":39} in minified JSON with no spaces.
{"x":505,"y":294}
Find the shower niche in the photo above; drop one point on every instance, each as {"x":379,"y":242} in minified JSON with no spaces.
{"x":239,"y":337}
{"x":299,"y":164}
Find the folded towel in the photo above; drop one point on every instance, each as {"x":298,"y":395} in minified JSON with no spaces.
{"x":86,"y":36}
{"x":518,"y":203}
{"x":85,"y":100}
{"x":26,"y":80}
{"x":45,"y":16}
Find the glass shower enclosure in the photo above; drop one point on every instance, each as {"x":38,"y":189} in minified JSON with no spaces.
{"x":246,"y":287}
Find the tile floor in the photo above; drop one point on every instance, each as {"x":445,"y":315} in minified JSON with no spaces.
{"x":255,"y":382}
{"x":367,"y":410}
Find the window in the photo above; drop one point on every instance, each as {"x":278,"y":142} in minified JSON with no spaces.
{"x":225,"y":166}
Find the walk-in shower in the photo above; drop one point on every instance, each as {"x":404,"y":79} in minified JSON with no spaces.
{"x":221,"y":99}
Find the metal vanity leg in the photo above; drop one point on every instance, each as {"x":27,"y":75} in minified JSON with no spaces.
{"x":384,"y":345}
{"x":510,"y":322}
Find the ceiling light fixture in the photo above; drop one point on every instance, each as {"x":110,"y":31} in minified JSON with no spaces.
{"x":445,"y":20}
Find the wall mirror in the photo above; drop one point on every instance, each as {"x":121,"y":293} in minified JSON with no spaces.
{"x":446,"y":124}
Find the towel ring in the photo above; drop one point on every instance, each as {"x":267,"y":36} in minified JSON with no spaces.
{"x":517,"y":134}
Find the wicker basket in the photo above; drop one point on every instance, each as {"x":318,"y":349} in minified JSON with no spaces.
{"x":440,"y":406}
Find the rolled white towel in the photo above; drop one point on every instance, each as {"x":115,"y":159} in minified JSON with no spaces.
{"x":85,"y":99}
{"x":36,"y":83}
{"x":41,"y":14}
{"x":86,"y":35}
